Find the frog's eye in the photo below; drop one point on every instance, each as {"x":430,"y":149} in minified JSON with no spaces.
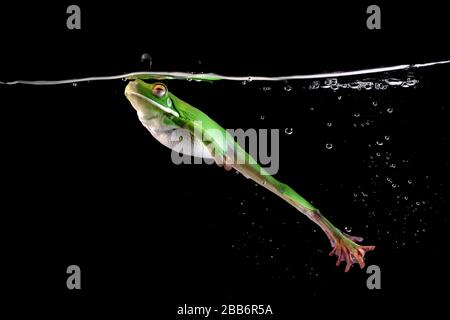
{"x":159,"y":90}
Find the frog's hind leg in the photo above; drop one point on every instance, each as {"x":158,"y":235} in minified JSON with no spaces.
{"x":344,"y":246}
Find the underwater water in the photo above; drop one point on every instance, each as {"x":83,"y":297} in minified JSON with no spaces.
{"x":85,"y":183}
{"x":363,"y":150}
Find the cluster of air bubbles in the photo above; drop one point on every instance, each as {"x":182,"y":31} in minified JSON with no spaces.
{"x":410,"y":82}
{"x":375,"y":84}
{"x":363,"y":123}
{"x":331,"y":83}
{"x":400,"y":187}
{"x":311,"y":271}
{"x":366,"y":121}
{"x":362,"y":197}
{"x":381,"y":159}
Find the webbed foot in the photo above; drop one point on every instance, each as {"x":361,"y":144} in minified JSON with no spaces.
{"x":346,"y":250}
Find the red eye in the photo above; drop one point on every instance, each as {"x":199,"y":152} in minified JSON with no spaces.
{"x":159,"y":90}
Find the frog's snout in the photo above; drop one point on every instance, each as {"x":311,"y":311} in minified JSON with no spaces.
{"x":130,"y":88}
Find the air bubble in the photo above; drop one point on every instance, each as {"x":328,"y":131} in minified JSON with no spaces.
{"x":289,"y":131}
{"x":287,"y":88}
{"x":394,"y":82}
{"x":357,"y":115}
{"x":348,"y":229}
{"x":390,"y":110}
{"x":329,"y":146}
{"x":147,"y":57}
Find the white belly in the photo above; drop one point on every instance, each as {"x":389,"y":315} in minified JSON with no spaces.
{"x":174,"y":137}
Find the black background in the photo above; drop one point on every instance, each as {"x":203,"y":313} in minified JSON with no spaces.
{"x":85,"y":183}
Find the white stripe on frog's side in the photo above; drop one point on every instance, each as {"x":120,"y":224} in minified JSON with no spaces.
{"x":156,"y":104}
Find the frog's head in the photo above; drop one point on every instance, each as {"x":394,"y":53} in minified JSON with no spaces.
{"x":150,"y":98}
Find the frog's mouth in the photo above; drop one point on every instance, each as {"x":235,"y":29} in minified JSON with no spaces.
{"x":130,"y":92}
